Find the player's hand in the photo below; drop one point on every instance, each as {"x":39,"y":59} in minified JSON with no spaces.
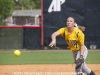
{"x":81,"y":57}
{"x":53,"y":43}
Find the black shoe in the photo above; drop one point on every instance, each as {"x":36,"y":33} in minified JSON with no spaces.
{"x":92,"y":73}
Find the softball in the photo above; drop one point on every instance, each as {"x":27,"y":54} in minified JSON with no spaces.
{"x":17,"y":53}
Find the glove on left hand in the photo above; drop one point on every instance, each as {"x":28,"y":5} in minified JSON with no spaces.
{"x":79,"y":61}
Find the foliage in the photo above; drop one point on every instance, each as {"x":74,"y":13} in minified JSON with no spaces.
{"x":3,"y":24}
{"x":7,"y":6}
{"x":5,"y":9}
{"x":27,"y":4}
{"x":37,"y":2}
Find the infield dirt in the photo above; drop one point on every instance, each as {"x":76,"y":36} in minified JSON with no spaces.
{"x":44,"y":69}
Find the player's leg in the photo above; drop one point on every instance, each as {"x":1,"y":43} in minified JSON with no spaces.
{"x":86,"y":70}
{"x":79,"y":70}
{"x":84,"y":67}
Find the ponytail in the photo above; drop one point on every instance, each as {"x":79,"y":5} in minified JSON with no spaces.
{"x":82,"y":28}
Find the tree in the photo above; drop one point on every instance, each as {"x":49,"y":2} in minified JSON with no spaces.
{"x":37,"y":3}
{"x":6,"y":7}
{"x":25,"y":4}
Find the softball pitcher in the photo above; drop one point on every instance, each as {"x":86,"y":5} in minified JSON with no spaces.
{"x":75,"y":40}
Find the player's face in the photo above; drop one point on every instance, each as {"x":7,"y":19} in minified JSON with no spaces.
{"x":70,"y":22}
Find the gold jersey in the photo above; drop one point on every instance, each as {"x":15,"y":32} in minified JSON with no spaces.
{"x":74,"y":40}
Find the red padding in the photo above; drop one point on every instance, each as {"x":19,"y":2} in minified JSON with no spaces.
{"x":24,"y":26}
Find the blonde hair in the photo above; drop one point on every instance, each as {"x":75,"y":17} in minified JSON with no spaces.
{"x":82,"y":28}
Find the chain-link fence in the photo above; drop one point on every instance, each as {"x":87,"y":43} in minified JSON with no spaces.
{"x":20,"y":38}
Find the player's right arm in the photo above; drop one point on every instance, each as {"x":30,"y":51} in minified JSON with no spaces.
{"x":53,"y":37}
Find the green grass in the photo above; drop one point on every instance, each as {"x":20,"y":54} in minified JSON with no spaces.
{"x":44,"y":58}
{"x":93,"y":57}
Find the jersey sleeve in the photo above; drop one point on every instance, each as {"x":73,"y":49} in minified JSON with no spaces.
{"x":61,"y":31}
{"x":81,"y":37}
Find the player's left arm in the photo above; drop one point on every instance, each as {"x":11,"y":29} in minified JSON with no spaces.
{"x":81,"y":41}
{"x":82,"y":50}
{"x":80,"y":60}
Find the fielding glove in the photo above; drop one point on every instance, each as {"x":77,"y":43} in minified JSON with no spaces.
{"x":79,"y":61}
